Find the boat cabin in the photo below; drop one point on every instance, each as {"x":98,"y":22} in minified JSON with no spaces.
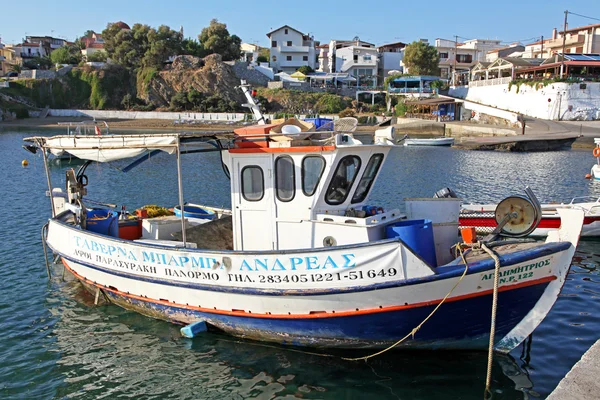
{"x":294,"y":192}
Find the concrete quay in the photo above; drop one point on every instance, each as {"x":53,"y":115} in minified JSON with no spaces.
{"x":582,"y":381}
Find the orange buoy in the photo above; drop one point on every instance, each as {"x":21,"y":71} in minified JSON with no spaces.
{"x":596,"y":152}
{"x":588,"y":176}
{"x":24,"y":163}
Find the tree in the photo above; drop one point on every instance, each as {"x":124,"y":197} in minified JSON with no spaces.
{"x":262,"y":59}
{"x":216,"y":39}
{"x":192,"y":47}
{"x":421,"y":59}
{"x":264,"y":54}
{"x":66,"y":55}
{"x":15,"y":68}
{"x":98,"y":56}
{"x":142,"y":46}
{"x":305,"y":69}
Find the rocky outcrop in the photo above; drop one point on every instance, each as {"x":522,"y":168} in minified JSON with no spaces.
{"x":209,"y":75}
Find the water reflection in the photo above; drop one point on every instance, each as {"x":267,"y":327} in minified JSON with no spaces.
{"x":109,"y":352}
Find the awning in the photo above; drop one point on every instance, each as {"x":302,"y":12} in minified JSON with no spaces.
{"x":117,"y":147}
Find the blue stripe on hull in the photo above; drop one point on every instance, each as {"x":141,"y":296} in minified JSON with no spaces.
{"x":457,"y":324}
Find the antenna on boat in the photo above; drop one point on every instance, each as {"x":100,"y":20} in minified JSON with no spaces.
{"x":252,"y":103}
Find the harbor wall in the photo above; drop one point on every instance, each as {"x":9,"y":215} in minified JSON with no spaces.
{"x":184,"y":117}
{"x":550,"y":101}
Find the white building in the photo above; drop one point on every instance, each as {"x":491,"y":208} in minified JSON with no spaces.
{"x":390,"y":60}
{"x":250,"y":52}
{"x":291,"y":49}
{"x":460,"y":57}
{"x":354,"y":57}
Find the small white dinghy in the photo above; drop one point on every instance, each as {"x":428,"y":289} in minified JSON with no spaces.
{"x":442,"y":141}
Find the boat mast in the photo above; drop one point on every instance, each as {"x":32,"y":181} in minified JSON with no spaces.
{"x":252,"y":104}
{"x":180,"y":184}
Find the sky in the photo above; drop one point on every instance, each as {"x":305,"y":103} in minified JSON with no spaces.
{"x":378,"y":22}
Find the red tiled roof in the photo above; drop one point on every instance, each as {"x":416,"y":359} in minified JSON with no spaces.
{"x":582,"y":28}
{"x":29,"y":45}
{"x":95,"y":45}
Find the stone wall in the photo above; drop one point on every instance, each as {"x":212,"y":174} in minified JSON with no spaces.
{"x":554,"y":101}
{"x":243,"y":71}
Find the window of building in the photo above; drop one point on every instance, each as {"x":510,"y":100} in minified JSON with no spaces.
{"x":356,"y":58}
{"x":285,"y":178}
{"x":312,"y":170}
{"x":304,"y":58}
{"x":365,"y":183}
{"x":289,"y":42}
{"x":342,"y":180}
{"x":464,"y":58}
{"x":285,"y":31}
{"x":273,"y":43}
{"x":274,"y":58}
{"x":443,"y":55}
{"x":289,"y":58}
{"x":253,"y":183}
{"x":367,"y":57}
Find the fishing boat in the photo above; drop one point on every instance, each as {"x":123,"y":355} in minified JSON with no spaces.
{"x":442,"y":141}
{"x":305,"y":258}
{"x":482,"y":217}
{"x":195,"y":211}
{"x":595,"y":173}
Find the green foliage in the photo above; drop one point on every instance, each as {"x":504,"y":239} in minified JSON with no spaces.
{"x":400,"y":109}
{"x":192,"y":47}
{"x":305,"y":69}
{"x":98,"y":56}
{"x":264,"y":53}
{"x":15,"y":68}
{"x":216,"y":39}
{"x":144,"y":77}
{"x":66,"y":55}
{"x":198,"y":101}
{"x":330,"y":104}
{"x":142,"y":46}
{"x":261,"y":59}
{"x":421,"y":59}
{"x":128,"y":101}
{"x":38,"y":63}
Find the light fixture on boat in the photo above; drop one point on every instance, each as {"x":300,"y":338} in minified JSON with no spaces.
{"x":30,"y":148}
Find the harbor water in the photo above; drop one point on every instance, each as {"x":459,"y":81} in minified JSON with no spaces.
{"x":54,"y":343}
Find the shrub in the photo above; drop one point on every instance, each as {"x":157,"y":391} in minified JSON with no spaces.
{"x":348,"y":112}
{"x":330,"y":104}
{"x":179,"y":101}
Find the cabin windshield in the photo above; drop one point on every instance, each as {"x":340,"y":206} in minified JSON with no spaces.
{"x":365,"y":183}
{"x":342,"y":180}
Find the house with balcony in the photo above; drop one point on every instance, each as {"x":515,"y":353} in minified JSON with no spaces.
{"x":513,"y":50}
{"x":249,"y":52}
{"x":390,"y":60}
{"x":580,"y":40}
{"x":92,"y":44}
{"x":27,"y":51}
{"x":48,"y":43}
{"x":359,"y":62}
{"x":291,"y":49}
{"x":7,"y":58}
{"x":457,"y":59}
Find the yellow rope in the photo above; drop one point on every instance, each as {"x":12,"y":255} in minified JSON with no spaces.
{"x":414,"y":331}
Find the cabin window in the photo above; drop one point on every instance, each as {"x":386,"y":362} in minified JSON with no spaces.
{"x":285,"y":178}
{"x":253,"y":183}
{"x":289,"y":42}
{"x":273,"y":43}
{"x":342,"y":180}
{"x":312,"y":170}
{"x":365,"y":183}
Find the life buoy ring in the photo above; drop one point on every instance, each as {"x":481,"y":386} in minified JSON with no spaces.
{"x":596,"y":152}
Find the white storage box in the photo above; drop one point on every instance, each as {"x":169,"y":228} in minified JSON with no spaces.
{"x":161,"y":228}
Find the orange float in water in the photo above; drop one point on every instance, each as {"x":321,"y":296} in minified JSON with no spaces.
{"x":588,"y":176}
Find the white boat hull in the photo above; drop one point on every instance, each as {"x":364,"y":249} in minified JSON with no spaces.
{"x":352,"y":296}
{"x":429,"y":142}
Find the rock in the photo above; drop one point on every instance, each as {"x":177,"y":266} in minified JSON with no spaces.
{"x":187,"y":62}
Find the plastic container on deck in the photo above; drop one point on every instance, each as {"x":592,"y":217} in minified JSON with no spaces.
{"x":417,"y":234}
{"x":104,"y":222}
{"x":130,"y":229}
{"x":318,"y":121}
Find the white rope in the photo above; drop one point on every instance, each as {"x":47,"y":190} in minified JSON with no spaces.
{"x":488,"y":379}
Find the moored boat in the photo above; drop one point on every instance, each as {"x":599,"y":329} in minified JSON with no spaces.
{"x":482,"y":217}
{"x":443,"y":141}
{"x":595,"y":172}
